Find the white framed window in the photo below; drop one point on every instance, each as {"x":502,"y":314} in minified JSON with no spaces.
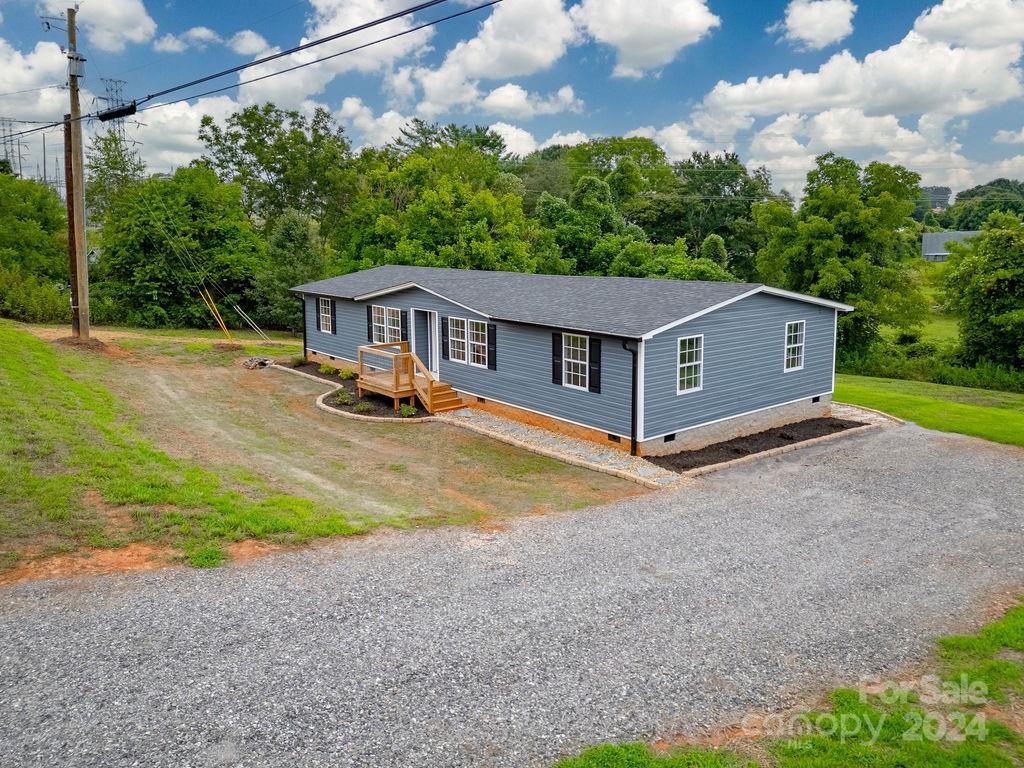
{"x":575,"y":361}
{"x":387,"y":325}
{"x":794,"y":359}
{"x":457,"y":339}
{"x":394,"y":316}
{"x":326,"y":316}
{"x":691,"y":364}
{"x":478,"y":343}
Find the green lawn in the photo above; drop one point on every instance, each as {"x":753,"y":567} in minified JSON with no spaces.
{"x":62,"y":434}
{"x":996,"y":416}
{"x":908,"y":728}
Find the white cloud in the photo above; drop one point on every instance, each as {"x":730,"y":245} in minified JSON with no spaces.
{"x":511,"y":100}
{"x":646,"y":34}
{"x":169,"y":135}
{"x":170,"y":44}
{"x":110,"y":24}
{"x":201,"y":36}
{"x":815,"y":24}
{"x":521,"y":142}
{"x":329,"y":17}
{"x":678,"y":141}
{"x":979,"y":23}
{"x":247,"y":43}
{"x":376,"y":130}
{"x":1009,"y":137}
{"x":519,"y":38}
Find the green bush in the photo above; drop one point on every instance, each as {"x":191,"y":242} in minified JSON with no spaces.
{"x":407,"y":411}
{"x":922,"y":361}
{"x":344,"y":397}
{"x":362,"y":407}
{"x":298,"y":360}
{"x":30,"y":299}
{"x":347,"y":374}
{"x":328,"y":370}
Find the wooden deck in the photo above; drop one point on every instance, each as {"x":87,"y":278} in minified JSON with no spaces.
{"x":393,"y":371}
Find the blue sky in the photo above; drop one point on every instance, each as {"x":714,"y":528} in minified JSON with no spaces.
{"x":936,"y":86}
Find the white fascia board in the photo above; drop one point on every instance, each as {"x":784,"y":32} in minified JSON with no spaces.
{"x":688,"y":318}
{"x":407,"y":286}
{"x":782,"y":293}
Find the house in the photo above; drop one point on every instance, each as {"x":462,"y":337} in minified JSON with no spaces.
{"x":652,"y":366}
{"x":933,"y":244}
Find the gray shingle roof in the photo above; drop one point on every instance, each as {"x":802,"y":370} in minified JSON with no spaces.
{"x":616,"y":306}
{"x":934,"y":243}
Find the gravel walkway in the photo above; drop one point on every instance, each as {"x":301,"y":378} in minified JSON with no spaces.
{"x":456,"y":647}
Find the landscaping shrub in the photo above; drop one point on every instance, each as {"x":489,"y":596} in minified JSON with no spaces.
{"x":31,"y":299}
{"x":347,"y":374}
{"x":298,"y":360}
{"x":362,"y":407}
{"x":328,"y":370}
{"x":344,"y":397}
{"x":924,"y":361}
{"x":407,"y":411}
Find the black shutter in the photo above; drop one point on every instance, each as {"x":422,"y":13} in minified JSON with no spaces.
{"x":594,"y":366}
{"x":334,"y":317}
{"x":556,"y":359}
{"x":405,"y":325}
{"x":444,"y":338}
{"x":316,"y":311}
{"x":492,"y":346}
{"x":369,"y":323}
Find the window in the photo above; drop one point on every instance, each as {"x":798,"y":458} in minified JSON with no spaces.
{"x":394,"y":325}
{"x":326,"y":316}
{"x":457,"y":339}
{"x":794,"y":346}
{"x":387,"y":325}
{"x":478,"y":343}
{"x":575,"y":354}
{"x":691,"y":364}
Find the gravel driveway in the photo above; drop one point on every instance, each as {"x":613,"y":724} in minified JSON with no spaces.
{"x":455,"y":646}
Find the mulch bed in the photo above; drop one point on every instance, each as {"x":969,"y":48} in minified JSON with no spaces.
{"x":380,"y":405}
{"x":756,"y":443}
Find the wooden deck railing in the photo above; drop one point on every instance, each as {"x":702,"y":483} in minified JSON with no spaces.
{"x":392,"y":370}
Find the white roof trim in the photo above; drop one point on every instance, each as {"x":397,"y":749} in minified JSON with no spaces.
{"x":804,"y":297}
{"x":407,"y":286}
{"x":759,"y":289}
{"x":688,"y":318}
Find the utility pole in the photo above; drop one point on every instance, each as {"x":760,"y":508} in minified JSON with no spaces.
{"x":76,"y":187}
{"x":69,"y":201}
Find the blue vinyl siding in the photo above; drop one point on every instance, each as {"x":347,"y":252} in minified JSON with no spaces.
{"x":523,"y":376}
{"x":744,"y":344}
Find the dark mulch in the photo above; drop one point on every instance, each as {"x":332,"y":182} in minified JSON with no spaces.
{"x":756,"y":443}
{"x":378,"y":404}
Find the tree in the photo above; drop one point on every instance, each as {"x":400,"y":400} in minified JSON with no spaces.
{"x":418,"y":136}
{"x":709,"y":194}
{"x":33,"y":229}
{"x":111,"y":166}
{"x":973,"y":206}
{"x":446,"y":207}
{"x":580,"y":222}
{"x":164,"y":239}
{"x":985,"y":286}
{"x":602,"y":156}
{"x":668,"y":262}
{"x":713,"y":249}
{"x":844,"y":244}
{"x":6,"y":169}
{"x":544,"y":171}
{"x":294,"y":256}
{"x":282,"y":159}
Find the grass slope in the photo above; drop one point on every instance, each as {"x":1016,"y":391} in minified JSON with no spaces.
{"x":62,"y":435}
{"x":899,"y":728}
{"x":996,"y":416}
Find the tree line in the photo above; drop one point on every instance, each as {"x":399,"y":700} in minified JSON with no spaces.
{"x":279,"y":198}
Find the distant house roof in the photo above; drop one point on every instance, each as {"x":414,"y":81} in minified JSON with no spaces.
{"x":934,"y":243}
{"x":616,"y":306}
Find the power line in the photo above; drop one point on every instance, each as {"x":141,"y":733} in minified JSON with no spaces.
{"x":33,"y":90}
{"x":325,"y":58}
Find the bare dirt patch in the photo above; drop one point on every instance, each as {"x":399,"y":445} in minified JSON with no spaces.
{"x":759,"y":442}
{"x":92,"y":562}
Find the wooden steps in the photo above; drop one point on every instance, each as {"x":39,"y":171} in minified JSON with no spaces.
{"x":445,"y":399}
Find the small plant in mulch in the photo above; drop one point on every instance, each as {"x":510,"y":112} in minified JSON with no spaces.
{"x":407,"y":411}
{"x":362,"y":407}
{"x":344,"y":397}
{"x":347,"y":374}
{"x":328,"y":370}
{"x":297,"y":361}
